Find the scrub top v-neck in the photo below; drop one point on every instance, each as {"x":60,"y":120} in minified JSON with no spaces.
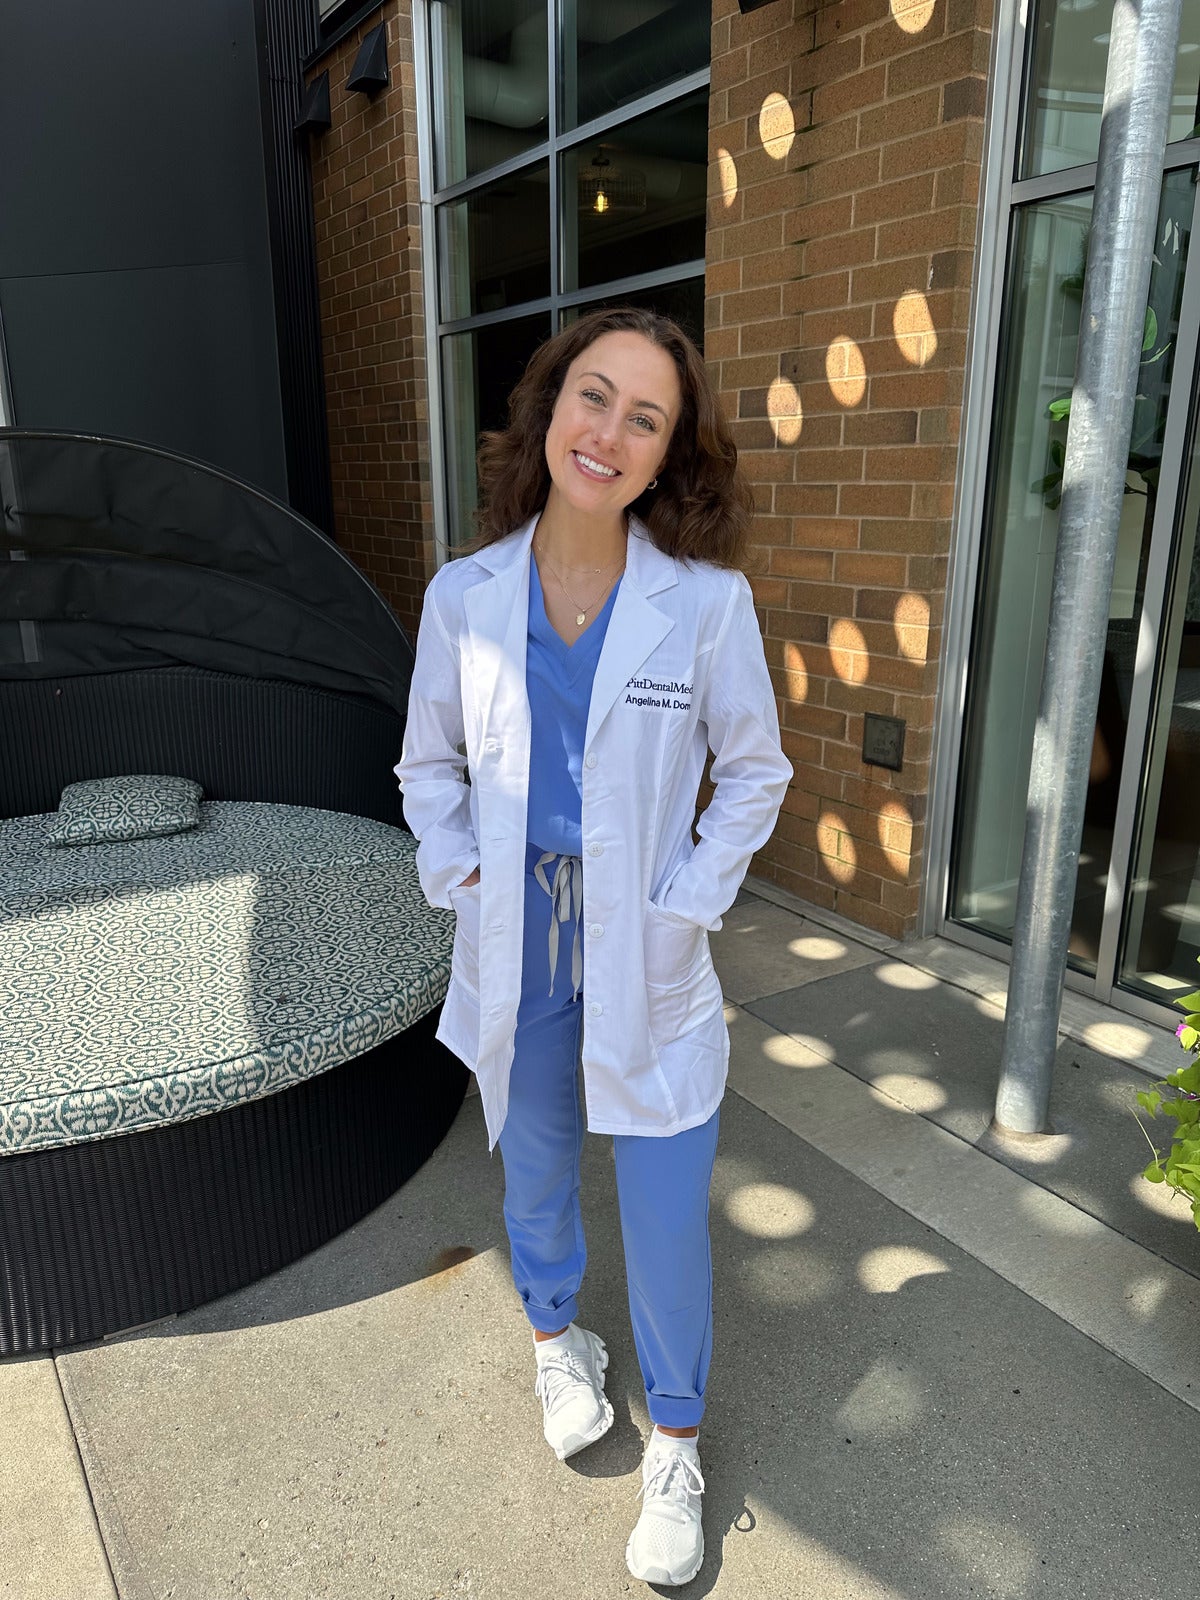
{"x":558,"y":680}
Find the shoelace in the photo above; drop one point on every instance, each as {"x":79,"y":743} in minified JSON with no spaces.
{"x":674,"y":1476}
{"x":556,"y":1373}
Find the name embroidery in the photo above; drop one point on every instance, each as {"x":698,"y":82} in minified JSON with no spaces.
{"x":666,"y":694}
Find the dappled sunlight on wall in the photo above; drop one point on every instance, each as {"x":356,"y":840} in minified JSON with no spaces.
{"x":846,"y":371}
{"x":848,"y":651}
{"x":727,"y":177}
{"x":784,"y":410}
{"x":797,"y":672}
{"x":912,"y":324}
{"x":836,"y":848}
{"x":776,"y":126}
{"x":912,"y":626}
{"x":912,"y":16}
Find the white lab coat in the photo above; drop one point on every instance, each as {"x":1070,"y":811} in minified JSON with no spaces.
{"x":681,"y":670}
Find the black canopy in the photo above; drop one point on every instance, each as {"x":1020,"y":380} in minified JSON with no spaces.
{"x":116,"y":556}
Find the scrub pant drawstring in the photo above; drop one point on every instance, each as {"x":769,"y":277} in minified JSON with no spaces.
{"x":566,"y":905}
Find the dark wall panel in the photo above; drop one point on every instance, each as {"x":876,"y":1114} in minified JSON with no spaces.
{"x":135,"y":271}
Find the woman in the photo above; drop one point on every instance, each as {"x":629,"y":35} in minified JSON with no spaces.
{"x":587,"y":657}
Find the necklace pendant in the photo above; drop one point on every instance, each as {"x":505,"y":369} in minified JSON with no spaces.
{"x":581,"y":619}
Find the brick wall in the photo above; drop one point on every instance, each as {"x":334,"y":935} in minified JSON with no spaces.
{"x":846,"y":141}
{"x":366,"y":200}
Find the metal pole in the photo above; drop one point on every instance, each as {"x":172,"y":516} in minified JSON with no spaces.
{"x":1137,"y":100}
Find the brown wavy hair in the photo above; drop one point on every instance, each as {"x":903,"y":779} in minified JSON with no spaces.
{"x":700,"y":509}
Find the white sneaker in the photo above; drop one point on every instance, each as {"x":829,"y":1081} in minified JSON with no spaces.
{"x":570,"y":1385}
{"x":667,"y":1546}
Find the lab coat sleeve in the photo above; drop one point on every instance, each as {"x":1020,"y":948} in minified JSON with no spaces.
{"x":432,"y":768}
{"x":749,"y":771}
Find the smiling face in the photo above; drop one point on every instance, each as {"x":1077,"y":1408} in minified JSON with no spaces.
{"x":611,"y":426}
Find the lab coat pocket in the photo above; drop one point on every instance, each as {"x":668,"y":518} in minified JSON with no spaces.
{"x":465,"y":960}
{"x":676,"y":954}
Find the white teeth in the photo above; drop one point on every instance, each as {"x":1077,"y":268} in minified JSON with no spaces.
{"x":595,"y":466}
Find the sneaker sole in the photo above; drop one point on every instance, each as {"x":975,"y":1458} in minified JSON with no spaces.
{"x":661,"y":1574}
{"x":606,"y":1421}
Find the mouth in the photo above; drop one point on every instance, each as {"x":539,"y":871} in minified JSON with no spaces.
{"x":593,"y":468}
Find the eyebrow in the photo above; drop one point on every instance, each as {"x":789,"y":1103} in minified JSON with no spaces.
{"x":647,"y":405}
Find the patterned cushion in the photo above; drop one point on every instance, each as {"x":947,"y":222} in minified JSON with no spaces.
{"x":101,"y":810}
{"x":162,"y":979}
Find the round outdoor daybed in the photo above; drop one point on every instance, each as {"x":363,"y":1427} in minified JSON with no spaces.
{"x":216,"y":1045}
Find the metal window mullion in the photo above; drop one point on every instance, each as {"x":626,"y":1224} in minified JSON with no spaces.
{"x":1158,"y":594}
{"x":992,"y":245}
{"x":482,"y":180}
{"x":489,"y":319}
{"x":553,"y":44}
{"x":639,"y":280}
{"x":423,"y":101}
{"x":653,"y":101}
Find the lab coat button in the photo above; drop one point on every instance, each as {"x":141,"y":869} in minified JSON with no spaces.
{"x":595,"y":1009}
{"x":595,"y":849}
{"x":596,"y":929}
{"x":589,"y":760}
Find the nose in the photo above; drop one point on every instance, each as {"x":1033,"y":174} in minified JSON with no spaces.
{"x":607,"y":430}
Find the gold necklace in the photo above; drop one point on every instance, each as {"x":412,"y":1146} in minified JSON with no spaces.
{"x":582,"y":611}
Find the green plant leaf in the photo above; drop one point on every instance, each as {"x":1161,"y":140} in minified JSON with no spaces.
{"x":1149,"y":1100}
{"x":1058,"y":452}
{"x":1154,"y":1173}
{"x":1188,"y":1038}
{"x":1150,"y":331}
{"x":1188,"y":1002}
{"x":1058,"y":410}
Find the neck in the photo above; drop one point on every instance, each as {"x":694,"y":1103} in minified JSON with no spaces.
{"x":572,"y":539}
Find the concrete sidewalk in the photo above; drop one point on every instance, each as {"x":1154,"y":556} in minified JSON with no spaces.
{"x":946,"y":1365}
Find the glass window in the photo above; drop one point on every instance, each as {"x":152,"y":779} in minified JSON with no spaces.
{"x":1066,"y":84}
{"x":1162,"y":932}
{"x":491,"y":83}
{"x":637,"y":196}
{"x":479,"y":372}
{"x":1048,"y":254}
{"x":683,"y":302}
{"x":615,"y":51}
{"x":494,"y":245}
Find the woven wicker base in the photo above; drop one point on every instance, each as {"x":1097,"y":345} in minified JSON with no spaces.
{"x":110,"y":1234}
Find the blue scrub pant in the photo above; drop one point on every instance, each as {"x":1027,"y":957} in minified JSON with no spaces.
{"x":662,"y":1189}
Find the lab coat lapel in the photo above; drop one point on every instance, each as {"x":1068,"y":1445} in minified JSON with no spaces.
{"x":497,"y":626}
{"x":636,"y":627}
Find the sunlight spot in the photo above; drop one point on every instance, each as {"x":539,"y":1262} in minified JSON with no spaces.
{"x":1158,"y":1197}
{"x":911,"y":621}
{"x":983,"y":1544}
{"x":815,"y":947}
{"x":895,"y":833}
{"x":899,"y":975}
{"x":785,"y":1050}
{"x":793,"y":660}
{"x":727,"y":174}
{"x":891,"y":1266}
{"x":789,"y":1275}
{"x":836,"y":847}
{"x":1145,"y":1295}
{"x":1124,"y":1040}
{"x":769,"y":1211}
{"x":846,"y":371}
{"x":918,"y":1094}
{"x":776,"y":126}
{"x":848,"y":651}
{"x":784,"y":410}
{"x":912,"y":15}
{"x":884,"y":1402}
{"x":913,"y":327}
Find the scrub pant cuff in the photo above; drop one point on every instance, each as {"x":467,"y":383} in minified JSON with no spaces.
{"x":671,"y":1412}
{"x":551,"y":1319}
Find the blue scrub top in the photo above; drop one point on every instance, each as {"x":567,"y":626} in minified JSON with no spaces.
{"x":558,"y":680}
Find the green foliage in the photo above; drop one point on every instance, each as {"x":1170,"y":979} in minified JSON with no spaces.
{"x":1177,"y":1098}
